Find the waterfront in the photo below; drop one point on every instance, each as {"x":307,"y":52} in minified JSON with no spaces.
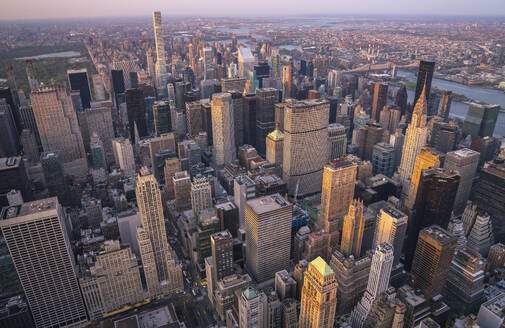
{"x":459,"y":109}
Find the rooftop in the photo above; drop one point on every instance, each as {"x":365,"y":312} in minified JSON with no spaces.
{"x":268,"y":203}
{"x":320,"y":265}
{"x":250,"y":293}
{"x":28,"y":208}
{"x":438,"y":233}
{"x":7,"y":163}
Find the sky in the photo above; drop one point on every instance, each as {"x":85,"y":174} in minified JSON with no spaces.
{"x":46,"y":9}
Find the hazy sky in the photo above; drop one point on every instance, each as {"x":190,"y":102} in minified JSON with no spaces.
{"x":36,"y":9}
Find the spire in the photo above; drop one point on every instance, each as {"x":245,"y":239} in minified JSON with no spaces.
{"x":420,"y":112}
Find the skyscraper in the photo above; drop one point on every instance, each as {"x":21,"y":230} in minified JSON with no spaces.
{"x":31,"y":73}
{"x":424,"y":78}
{"x":223,"y":130}
{"x":222,"y":253}
{"x":465,"y":161}
{"x":246,"y":62}
{"x":391,"y":229}
{"x":432,"y":260}
{"x":39,"y":246}
{"x":445,"y":105}
{"x":339,"y":180}
{"x":352,"y":231}
{"x":415,"y":137}
{"x":378,"y":282}
{"x":153,"y":222}
{"x":274,"y":146}
{"x":383,"y":159}
{"x":305,"y":145}
{"x":182,"y":190}
{"x":268,"y":227}
{"x":337,"y":141}
{"x":265,"y":116}
{"x":58,"y":127}
{"x":319,"y":296}
{"x":161,"y":65}
{"x":123,"y":155}
{"x":380,"y":97}
{"x":201,"y":194}
{"x":136,"y":113}
{"x":480,"y":120}
{"x":78,"y":80}
{"x":426,"y":159}
{"x":8,"y":131}
{"x":252,"y":305}
{"x":162,"y":118}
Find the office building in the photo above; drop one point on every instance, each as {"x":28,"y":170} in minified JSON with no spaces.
{"x":424,"y":79}
{"x":268,"y":225}
{"x":31,"y":73}
{"x":8,"y":131}
{"x":444,"y":136}
{"x":28,"y":142}
{"x":489,"y":195}
{"x":480,"y":120}
{"x":246,"y":62}
{"x":201,"y":194}
{"x":126,"y":66}
{"x":426,"y":159}
{"x":465,"y":161}
{"x":99,"y":120}
{"x":274,"y":146}
{"x":136,"y":113}
{"x":223,"y":130}
{"x":222,"y":253}
{"x":153,"y":223}
{"x":14,"y":177}
{"x":445,"y":105}
{"x":387,"y":311}
{"x":319,"y":296}
{"x":244,"y":189}
{"x":97,"y":152}
{"x":480,"y":237}
{"x":415,"y":137}
{"x":194,"y":119}
{"x":464,"y":288}
{"x":380,"y":97}
{"x":54,"y":176}
{"x":352,"y":276}
{"x":252,"y":305}
{"x":265,"y":116}
{"x":182,"y":190}
{"x":378,"y":282}
{"x":369,"y":136}
{"x":38,"y":243}
{"x":113,"y":281}
{"x":432,"y":260}
{"x":339,"y":180}
{"x":305,"y":145}
{"x":391,"y":228}
{"x":58,"y":127}
{"x":285,"y":285}
{"x":161,"y":64}
{"x":496,"y":257}
{"x":172,"y":165}
{"x":337,"y":141}
{"x":78,"y":81}
{"x":353,"y":229}
{"x":224,"y":293}
{"x":124,"y":158}
{"x":491,"y":313}
{"x":162,"y":118}
{"x":383,"y":159}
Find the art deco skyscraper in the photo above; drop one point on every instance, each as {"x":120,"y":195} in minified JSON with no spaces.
{"x":161,"y":65}
{"x":415,"y":137}
{"x":352,"y":231}
{"x":39,"y":246}
{"x":268,"y":227}
{"x":339,"y":179}
{"x":305,"y":145}
{"x":274,"y":146}
{"x":223,"y":130}
{"x":319,"y":296}
{"x":432,"y":260}
{"x":465,"y":162}
{"x":426,"y":159}
{"x":378,"y":282}
{"x":58,"y":126}
{"x":153,"y":223}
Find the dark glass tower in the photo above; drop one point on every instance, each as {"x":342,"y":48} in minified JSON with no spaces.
{"x":380,"y":98}
{"x":78,"y":80}
{"x":136,"y":112}
{"x":425,"y":75}
{"x":250,"y":103}
{"x":162,"y":119}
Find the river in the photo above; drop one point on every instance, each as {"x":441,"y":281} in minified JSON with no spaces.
{"x":459,"y":109}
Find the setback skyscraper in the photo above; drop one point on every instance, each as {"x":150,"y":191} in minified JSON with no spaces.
{"x":223,"y":131}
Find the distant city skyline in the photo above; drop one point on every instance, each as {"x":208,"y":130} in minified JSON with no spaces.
{"x":54,"y":9}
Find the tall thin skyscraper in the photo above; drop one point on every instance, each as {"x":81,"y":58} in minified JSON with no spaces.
{"x":319,"y":296}
{"x":201,"y":194}
{"x":223,"y":131}
{"x":268,"y":227}
{"x":339,"y":179}
{"x":424,"y":78}
{"x":161,"y":64}
{"x":415,"y":137}
{"x":378,"y":282}
{"x":353,"y":229}
{"x":58,"y":127}
{"x":153,"y":222}
{"x":39,"y":246}
{"x":434,"y":252}
{"x":265,"y":116}
{"x":391,"y":228}
{"x":305,"y":145}
{"x":162,"y":117}
{"x":380,"y":98}
{"x":136,"y":113}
